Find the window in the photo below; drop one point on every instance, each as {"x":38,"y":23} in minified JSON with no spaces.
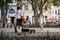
{"x":58,"y":11}
{"x":11,"y":10}
{"x":46,"y":17}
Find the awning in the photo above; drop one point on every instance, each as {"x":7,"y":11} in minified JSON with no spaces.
{"x":52,"y":19}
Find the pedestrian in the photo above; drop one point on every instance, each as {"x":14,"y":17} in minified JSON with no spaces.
{"x":41,"y":20}
{"x":25,"y":23}
{"x":15,"y":21}
{"x":19,"y":19}
{"x":15,"y":26}
{"x":9,"y":21}
{"x":19,"y":14}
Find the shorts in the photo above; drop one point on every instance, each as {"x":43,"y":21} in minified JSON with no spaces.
{"x":12,"y":20}
{"x":19,"y":22}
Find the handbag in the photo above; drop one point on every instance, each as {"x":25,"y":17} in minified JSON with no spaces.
{"x":23,"y":18}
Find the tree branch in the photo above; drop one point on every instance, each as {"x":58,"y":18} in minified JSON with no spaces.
{"x":44,"y":2}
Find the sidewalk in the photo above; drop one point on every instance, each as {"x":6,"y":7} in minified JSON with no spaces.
{"x":38,"y":31}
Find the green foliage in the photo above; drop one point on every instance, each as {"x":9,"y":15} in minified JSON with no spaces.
{"x":3,"y":2}
{"x":19,"y":0}
{"x":56,"y":2}
{"x":9,"y":1}
{"x":41,"y":3}
{"x":30,"y":38}
{"x":4,"y":6}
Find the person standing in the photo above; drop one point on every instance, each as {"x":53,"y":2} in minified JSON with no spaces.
{"x":15,"y":26}
{"x":19,"y":15}
{"x":19,"y":19}
{"x":9,"y":21}
{"x":15,"y":21}
{"x":41,"y":21}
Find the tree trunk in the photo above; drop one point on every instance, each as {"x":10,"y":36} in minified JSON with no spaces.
{"x":6,"y":9}
{"x":35,"y":15}
{"x":2,"y":11}
{"x":5,"y":14}
{"x":36,"y":18}
{"x":38,"y":15}
{"x":2,"y":15}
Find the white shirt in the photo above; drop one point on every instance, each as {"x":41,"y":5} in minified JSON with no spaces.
{"x":41,"y":20}
{"x":19,"y":14}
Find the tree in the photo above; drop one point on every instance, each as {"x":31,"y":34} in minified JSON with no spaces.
{"x":40,"y":4}
{"x":56,"y":2}
{"x":37,"y":4}
{"x":4,"y":7}
{"x":19,"y":3}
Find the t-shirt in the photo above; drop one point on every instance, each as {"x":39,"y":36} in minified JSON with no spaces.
{"x":41,"y":20}
{"x":19,"y":14}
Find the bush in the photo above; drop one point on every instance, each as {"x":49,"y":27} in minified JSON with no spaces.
{"x":29,"y":38}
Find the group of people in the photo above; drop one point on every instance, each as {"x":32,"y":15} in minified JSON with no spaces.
{"x":10,"y":21}
{"x":17,"y":20}
{"x":20,"y":20}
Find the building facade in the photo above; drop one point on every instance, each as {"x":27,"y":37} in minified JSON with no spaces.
{"x":53,"y":12}
{"x":12,"y":9}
